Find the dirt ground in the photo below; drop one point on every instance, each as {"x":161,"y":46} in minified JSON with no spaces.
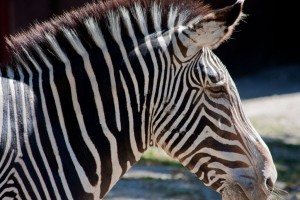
{"x":271,"y":100}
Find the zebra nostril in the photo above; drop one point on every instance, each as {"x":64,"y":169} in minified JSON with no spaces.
{"x":269,"y":184}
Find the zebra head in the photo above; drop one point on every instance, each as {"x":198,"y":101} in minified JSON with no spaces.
{"x":204,"y":126}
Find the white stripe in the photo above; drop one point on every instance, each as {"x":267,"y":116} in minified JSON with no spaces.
{"x":183,"y":17}
{"x":9,"y":134}
{"x":31,"y":182}
{"x":116,"y":168}
{"x":114,"y":25}
{"x":229,"y":156}
{"x":163,"y":40}
{"x":173,"y":13}
{"x":139,"y":14}
{"x":142,"y":62}
{"x":140,"y":17}
{"x":173,"y":114}
{"x":9,"y":189}
{"x":25,"y":120}
{"x":1,"y":107}
{"x":191,"y":131}
{"x":159,"y":130}
{"x":200,"y":162}
{"x":133,"y":143}
{"x":165,"y":86}
{"x":47,"y":122}
{"x":68,"y":71}
{"x":212,"y":177}
{"x":7,"y":165}
{"x":125,"y":16}
{"x":97,"y":35}
{"x":11,"y":83}
{"x":162,"y":87}
{"x":174,"y":137}
{"x":9,"y":137}
{"x":206,"y":132}
{"x":213,"y":107}
{"x":151,"y":106}
{"x":156,"y":16}
{"x":95,"y":31}
{"x":19,"y":151}
{"x":20,"y":182}
{"x":173,"y":72}
{"x":177,"y":50}
{"x":79,"y":48}
{"x":213,"y":67}
{"x":231,"y":173}
{"x":49,"y":128}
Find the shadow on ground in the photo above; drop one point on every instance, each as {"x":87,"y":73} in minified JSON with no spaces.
{"x":270,"y":81}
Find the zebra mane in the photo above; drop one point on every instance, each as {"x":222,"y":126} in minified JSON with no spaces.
{"x":180,"y":12}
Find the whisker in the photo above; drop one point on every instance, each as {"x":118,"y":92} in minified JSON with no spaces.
{"x":279,"y":194}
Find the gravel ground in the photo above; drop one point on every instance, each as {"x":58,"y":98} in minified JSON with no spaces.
{"x":271,"y":100}
{"x":277,"y":117}
{"x":160,"y":183}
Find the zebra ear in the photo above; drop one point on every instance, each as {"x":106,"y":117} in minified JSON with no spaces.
{"x":216,"y":27}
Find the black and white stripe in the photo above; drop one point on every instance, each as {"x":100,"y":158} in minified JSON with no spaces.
{"x":79,"y":107}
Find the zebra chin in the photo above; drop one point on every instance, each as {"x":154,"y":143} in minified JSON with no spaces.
{"x":236,"y":192}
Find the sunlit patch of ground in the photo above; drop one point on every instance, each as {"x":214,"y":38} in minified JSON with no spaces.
{"x":276,"y":117}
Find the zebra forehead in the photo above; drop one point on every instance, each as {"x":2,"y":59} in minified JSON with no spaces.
{"x":168,"y":11}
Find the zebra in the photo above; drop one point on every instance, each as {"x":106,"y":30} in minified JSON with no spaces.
{"x":87,"y":93}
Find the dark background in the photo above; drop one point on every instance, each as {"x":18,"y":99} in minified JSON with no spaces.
{"x":268,"y":37}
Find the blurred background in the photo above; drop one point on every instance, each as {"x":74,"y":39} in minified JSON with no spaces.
{"x":263,"y":58}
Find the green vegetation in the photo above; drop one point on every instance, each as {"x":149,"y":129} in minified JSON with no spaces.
{"x":181,"y":193}
{"x":156,"y":156}
{"x":266,"y":126}
{"x":287,"y":161}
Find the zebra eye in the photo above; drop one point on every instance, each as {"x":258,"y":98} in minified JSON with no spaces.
{"x":217,"y":91}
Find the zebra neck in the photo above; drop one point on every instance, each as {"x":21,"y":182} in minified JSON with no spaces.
{"x":16,"y":100}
